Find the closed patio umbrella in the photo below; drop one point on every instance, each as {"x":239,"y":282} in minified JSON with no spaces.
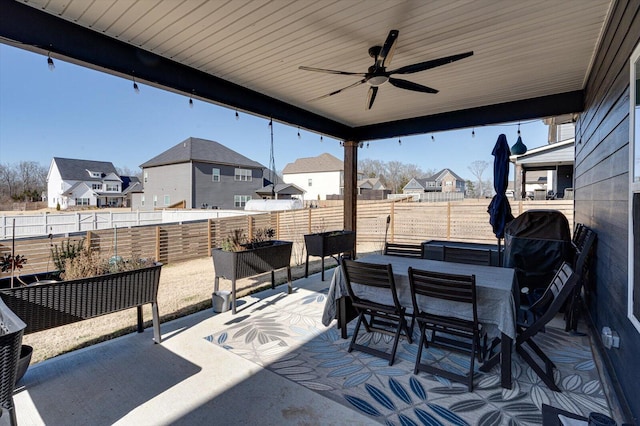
{"x":499,"y":208}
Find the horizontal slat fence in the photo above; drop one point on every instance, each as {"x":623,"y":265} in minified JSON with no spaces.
{"x":409,"y":223}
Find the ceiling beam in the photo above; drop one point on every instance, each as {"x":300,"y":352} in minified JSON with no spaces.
{"x":525,"y":109}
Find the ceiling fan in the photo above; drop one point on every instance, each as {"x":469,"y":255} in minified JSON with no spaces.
{"x":377,"y":75}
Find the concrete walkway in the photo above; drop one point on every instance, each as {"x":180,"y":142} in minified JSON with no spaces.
{"x":184,"y":381}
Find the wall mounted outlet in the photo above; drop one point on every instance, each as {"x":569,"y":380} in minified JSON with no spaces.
{"x":610,"y":338}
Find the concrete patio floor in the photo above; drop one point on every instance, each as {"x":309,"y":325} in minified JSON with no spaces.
{"x":183,"y":381}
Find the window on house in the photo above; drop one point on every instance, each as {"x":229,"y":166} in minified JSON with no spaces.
{"x":82,"y":201}
{"x":155,"y":201}
{"x":96,"y":186}
{"x":113,"y":187}
{"x":448,"y":183}
{"x":243,"y":175}
{"x":142,"y":200}
{"x":146,"y":177}
{"x":240,"y":200}
{"x":167,"y":200}
{"x":310,"y":182}
{"x":215,"y":175}
{"x":94,"y":174}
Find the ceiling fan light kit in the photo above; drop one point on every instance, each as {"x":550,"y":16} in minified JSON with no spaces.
{"x":377,"y":74}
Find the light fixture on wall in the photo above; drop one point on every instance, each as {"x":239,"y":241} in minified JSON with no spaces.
{"x":519,"y":147}
{"x":135,"y":86}
{"x":50,"y":63}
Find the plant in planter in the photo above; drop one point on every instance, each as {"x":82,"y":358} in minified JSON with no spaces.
{"x":241,"y":257}
{"x":330,"y":243}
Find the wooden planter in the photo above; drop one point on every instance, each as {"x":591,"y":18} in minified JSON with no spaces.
{"x":330,"y":243}
{"x":47,"y":305}
{"x":234,"y":265}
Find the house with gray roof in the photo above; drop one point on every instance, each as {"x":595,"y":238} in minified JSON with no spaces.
{"x":319,"y":176}
{"x":443,"y":181}
{"x":199,"y":173}
{"x":87,"y":183}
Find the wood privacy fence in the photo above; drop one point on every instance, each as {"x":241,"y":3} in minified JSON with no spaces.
{"x":173,"y":242}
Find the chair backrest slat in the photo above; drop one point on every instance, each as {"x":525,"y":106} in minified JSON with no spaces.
{"x":378,"y":276}
{"x":453,"y":287}
{"x":468,"y":255}
{"x":403,"y":250}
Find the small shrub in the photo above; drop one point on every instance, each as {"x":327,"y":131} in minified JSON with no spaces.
{"x":88,"y":263}
{"x":66,"y":250}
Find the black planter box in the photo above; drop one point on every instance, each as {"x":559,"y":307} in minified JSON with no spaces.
{"x":330,"y":243}
{"x":52,"y":304}
{"x":234,"y":265}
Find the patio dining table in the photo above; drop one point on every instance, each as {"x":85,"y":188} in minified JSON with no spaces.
{"x":495,"y":289}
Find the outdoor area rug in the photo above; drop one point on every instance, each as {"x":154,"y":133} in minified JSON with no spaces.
{"x":285,"y":335}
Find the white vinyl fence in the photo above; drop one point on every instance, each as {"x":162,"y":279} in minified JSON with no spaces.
{"x":65,"y":223}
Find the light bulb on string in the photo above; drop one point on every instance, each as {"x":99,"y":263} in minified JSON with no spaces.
{"x":237,"y":116}
{"x":321,"y":140}
{"x":367,"y":144}
{"x":190,"y":102}
{"x":50,"y":63}
{"x":473,"y":133}
{"x":399,"y":142}
{"x":299,"y":136}
{"x":433,"y":138}
{"x":270,"y":122}
{"x":135,"y":86}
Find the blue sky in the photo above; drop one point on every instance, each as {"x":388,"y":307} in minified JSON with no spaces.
{"x":76,"y":112}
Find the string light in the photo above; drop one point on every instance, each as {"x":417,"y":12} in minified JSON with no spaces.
{"x":473,"y":133}
{"x":271,"y":122}
{"x":321,"y":139}
{"x":299,"y":136}
{"x":50,"y":63}
{"x":237,"y":116}
{"x":399,"y":142}
{"x":135,"y":86}
{"x":433,"y":138}
{"x":361,"y":145}
{"x":367,"y":144}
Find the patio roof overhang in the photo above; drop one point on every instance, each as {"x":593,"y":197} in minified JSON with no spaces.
{"x":528,"y":61}
{"x":497,"y":84}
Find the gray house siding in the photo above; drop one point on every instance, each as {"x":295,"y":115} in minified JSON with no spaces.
{"x":173,"y":180}
{"x":221,"y":194}
{"x":601,"y":193}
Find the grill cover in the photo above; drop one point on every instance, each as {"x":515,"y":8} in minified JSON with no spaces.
{"x":536,"y":244}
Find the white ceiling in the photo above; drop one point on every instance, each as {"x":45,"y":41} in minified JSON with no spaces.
{"x":522,"y":49}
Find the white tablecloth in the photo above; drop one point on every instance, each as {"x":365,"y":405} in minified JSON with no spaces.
{"x":495,"y":289}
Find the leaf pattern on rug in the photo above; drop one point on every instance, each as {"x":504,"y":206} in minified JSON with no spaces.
{"x":285,"y":335}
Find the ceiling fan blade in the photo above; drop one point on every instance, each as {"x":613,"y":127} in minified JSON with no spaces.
{"x":331,"y":71}
{"x":409,"y":85}
{"x":422,"y":66}
{"x":371,"y":96}
{"x":335,"y":92}
{"x":386,"y":53}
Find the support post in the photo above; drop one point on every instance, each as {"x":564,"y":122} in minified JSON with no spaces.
{"x":350,"y":185}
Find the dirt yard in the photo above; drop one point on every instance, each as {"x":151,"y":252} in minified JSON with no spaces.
{"x":185,"y":288}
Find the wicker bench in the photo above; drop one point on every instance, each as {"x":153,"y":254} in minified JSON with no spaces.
{"x":49,"y":305}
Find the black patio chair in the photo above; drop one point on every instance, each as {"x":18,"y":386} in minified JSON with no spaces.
{"x":471,"y":256}
{"x":583,"y":243}
{"x":403,"y":250}
{"x":534,"y":319}
{"x":459,"y":334}
{"x":383,"y":318}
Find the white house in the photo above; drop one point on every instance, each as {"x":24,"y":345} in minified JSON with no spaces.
{"x":317,"y":176}
{"x":86,"y":183}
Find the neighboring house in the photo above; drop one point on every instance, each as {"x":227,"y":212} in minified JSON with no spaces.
{"x":86,"y":183}
{"x":281,"y":191}
{"x":317,"y":176}
{"x":443,"y":181}
{"x":199,"y":173}
{"x":370,"y":184}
